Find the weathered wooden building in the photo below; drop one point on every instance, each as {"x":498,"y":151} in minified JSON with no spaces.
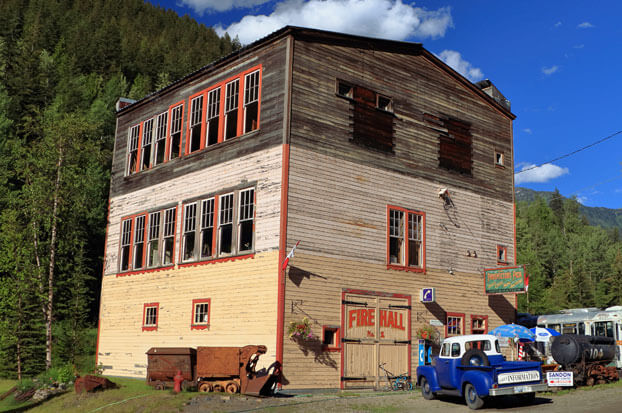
{"x":393,"y":171}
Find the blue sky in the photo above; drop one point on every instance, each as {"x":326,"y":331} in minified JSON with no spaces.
{"x":558,"y":62}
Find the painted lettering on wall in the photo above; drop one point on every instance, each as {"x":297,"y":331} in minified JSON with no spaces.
{"x":363,"y":317}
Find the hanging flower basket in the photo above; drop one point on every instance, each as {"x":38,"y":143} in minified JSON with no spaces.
{"x":300,"y":330}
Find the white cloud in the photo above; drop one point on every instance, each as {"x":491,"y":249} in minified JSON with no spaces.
{"x":585,"y":25}
{"x":220,"y":5}
{"x":539,"y":174}
{"x":559,"y":23}
{"x":528,"y":131}
{"x":579,"y":46}
{"x":550,"y":70}
{"x":456,"y":62}
{"x":389,"y":19}
{"x":581,"y":199}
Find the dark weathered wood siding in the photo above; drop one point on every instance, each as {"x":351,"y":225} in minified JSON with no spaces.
{"x":271,"y":57}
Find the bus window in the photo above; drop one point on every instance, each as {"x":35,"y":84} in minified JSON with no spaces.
{"x":603,"y":328}
{"x":555,"y":327}
{"x":569,"y":328}
{"x":582,"y":328}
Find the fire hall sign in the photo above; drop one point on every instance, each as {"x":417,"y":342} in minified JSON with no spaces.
{"x":363,"y":318}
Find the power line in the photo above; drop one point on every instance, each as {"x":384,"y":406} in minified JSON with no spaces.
{"x":571,"y":153}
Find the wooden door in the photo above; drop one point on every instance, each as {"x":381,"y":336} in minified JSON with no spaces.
{"x":376,"y":330}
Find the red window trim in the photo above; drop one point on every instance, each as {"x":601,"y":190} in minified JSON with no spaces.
{"x":505,"y":253}
{"x":217,"y":260}
{"x":337,"y":346}
{"x":132,"y":218}
{"x":203,"y":121}
{"x":447,"y":322}
{"x":167,"y":153}
{"x":202,"y":326}
{"x":483,"y":317}
{"x":154,"y":327}
{"x":423,"y":241}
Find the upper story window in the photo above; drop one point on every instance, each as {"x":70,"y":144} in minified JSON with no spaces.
{"x":251,"y":101}
{"x":235,"y":232}
{"x":479,"y":324}
{"x":160,"y":142}
{"x":132,"y":147}
{"x":219,"y":113}
{"x":499,"y":159}
{"x":213,"y":117}
{"x":406,"y":243}
{"x":144,"y":244}
{"x":196,"y":123}
{"x":175,"y":134}
{"x":231,"y":109}
{"x":502,"y":254}
{"x":372,"y":116}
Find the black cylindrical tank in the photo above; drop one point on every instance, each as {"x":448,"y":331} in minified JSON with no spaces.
{"x":570,"y":348}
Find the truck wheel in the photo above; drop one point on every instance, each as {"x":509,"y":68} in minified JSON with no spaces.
{"x":426,"y":392}
{"x":472,"y":398}
{"x":205,"y":388}
{"x":475,"y":357}
{"x":231,"y":387}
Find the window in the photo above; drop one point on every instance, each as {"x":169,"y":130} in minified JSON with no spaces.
{"x":139,"y":242}
{"x":499,"y":159}
{"x":154,"y":239}
{"x":207,"y":228}
{"x":168,"y":241}
{"x":150,"y":317}
{"x":455,"y":349}
{"x":330,"y":338}
{"x":160,"y":142}
{"x":455,"y":145}
{"x":406,"y":249}
{"x":502,"y":254}
{"x":483,"y":345}
{"x":231,"y":109}
{"x":603,"y":329}
{"x":188,"y":241}
{"x":175,"y":140}
{"x":145,"y":154}
{"x":213,"y":116}
{"x":251,"y":101}
{"x":344,"y":89}
{"x":479,"y":324}
{"x":454,"y":326}
{"x":126,"y":242}
{"x":445,"y":350}
{"x":569,"y":328}
{"x":132,"y":157}
{"x":200,"y":313}
{"x":372,"y":117}
{"x":196,"y":123}
{"x":225,"y":224}
{"x":246,"y":219}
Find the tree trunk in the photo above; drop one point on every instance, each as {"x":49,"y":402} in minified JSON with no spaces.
{"x":35,"y":236}
{"x":19,"y":344}
{"x":50,"y":301}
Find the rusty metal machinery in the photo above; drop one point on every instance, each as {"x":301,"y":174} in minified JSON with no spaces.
{"x":164,"y":362}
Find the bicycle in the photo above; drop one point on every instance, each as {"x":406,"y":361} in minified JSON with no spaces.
{"x":401,"y":382}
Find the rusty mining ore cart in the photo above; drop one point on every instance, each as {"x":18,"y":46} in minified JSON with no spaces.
{"x":228,"y":369}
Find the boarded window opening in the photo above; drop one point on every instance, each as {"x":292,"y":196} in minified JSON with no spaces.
{"x":455,"y":145}
{"x":345,"y":89}
{"x":372,"y":128}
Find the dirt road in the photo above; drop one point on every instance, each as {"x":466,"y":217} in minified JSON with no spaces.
{"x":597,"y":399}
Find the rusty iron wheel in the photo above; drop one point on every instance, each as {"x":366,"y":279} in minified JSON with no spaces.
{"x":218,"y":388}
{"x":205,"y":388}
{"x":232,"y":387}
{"x":160,"y":385}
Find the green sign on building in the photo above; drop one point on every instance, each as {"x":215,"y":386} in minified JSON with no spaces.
{"x":505,"y":280}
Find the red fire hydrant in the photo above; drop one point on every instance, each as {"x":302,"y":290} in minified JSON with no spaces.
{"x":178,"y":379}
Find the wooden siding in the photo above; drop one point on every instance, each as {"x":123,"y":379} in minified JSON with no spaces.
{"x":314,"y":289}
{"x":260,"y":169}
{"x":337,"y":208}
{"x":321,"y":120}
{"x":272,"y":59}
{"x":243,"y":311}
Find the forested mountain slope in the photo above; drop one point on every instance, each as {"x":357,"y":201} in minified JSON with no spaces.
{"x":63,"y":65}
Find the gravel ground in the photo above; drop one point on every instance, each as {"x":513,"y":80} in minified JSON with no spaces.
{"x":597,"y":399}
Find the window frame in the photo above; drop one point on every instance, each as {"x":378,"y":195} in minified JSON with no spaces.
{"x":184,"y":223}
{"x":201,"y":124}
{"x":239,"y":220}
{"x":403,"y":265}
{"x":502,"y":249}
{"x":135,"y":241}
{"x":246,"y":93}
{"x":150,"y":327}
{"x":126,"y":244}
{"x":336,"y":346}
{"x":146,"y":132}
{"x":169,"y":135}
{"x":163,"y":237}
{"x":499,"y":159}
{"x":157,"y":239}
{"x":202,"y":325}
{"x":161,"y":128}
{"x":133,"y":142}
{"x":484,"y":318}
{"x":461,"y":326}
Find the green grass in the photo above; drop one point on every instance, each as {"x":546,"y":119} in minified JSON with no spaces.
{"x":132,"y":396}
{"x":9,"y":403}
{"x":5,"y":385}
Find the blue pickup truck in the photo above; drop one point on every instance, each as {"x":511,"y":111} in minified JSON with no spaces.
{"x":474,"y":368}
